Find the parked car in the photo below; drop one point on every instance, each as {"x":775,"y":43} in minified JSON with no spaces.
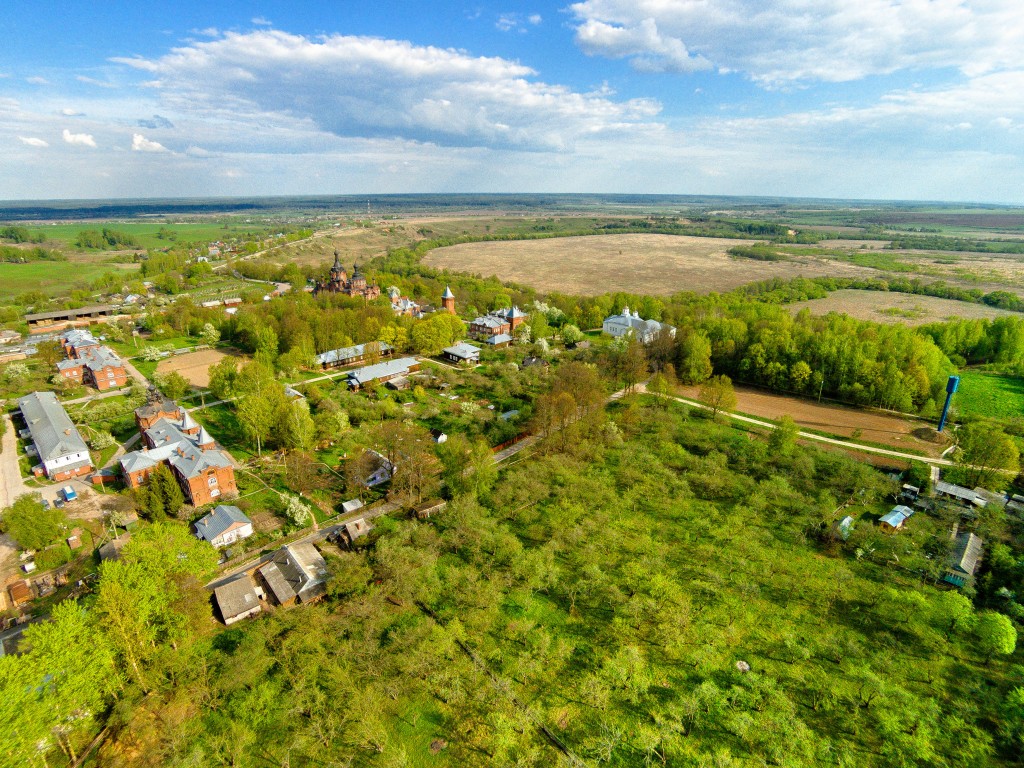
{"x":69,"y":493}
{"x":46,"y":504}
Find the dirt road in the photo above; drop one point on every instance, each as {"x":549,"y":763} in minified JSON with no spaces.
{"x":11,"y":484}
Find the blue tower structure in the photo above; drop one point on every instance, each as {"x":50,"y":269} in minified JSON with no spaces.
{"x":951,"y":387}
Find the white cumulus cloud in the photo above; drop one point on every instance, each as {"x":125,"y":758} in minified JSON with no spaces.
{"x":33,"y":141}
{"x":791,"y":41}
{"x":141,"y":144}
{"x":80,"y":139}
{"x":389,"y":89}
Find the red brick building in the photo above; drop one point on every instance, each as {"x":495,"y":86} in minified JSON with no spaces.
{"x":172,"y":437}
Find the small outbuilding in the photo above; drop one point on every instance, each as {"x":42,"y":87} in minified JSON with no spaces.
{"x":500,"y":340}
{"x":238,"y":599}
{"x":353,"y":530}
{"x":428,"y":508}
{"x":894,"y":520}
{"x":19,"y":592}
{"x":959,"y":493}
{"x":350,"y":506}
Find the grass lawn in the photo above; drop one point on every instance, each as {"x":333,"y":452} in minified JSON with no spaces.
{"x":989,"y":395}
{"x":222,"y":423}
{"x":55,"y":277}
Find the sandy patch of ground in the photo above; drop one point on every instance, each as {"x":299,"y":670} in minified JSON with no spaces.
{"x":637,"y":263}
{"x":908,"y":309}
{"x":195,"y":366}
{"x":875,"y":427}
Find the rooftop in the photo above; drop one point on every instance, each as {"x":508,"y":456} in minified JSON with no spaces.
{"x":368,"y":373}
{"x":236,"y":597}
{"x":463,"y":350}
{"x":219,"y":521}
{"x":347,"y":353}
{"x":52,"y":430}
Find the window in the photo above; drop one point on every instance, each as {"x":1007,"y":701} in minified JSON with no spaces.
{"x":212,"y":481}
{"x":215,"y":493}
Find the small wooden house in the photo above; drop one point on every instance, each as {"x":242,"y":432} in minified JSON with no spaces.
{"x":894,"y":520}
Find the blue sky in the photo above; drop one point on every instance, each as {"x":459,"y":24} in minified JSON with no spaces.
{"x":896,"y":99}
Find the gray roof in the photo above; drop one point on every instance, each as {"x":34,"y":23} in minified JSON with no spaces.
{"x":463,"y":350}
{"x":500,"y":338}
{"x":965,"y":555}
{"x":220,"y":520}
{"x":368,"y":373}
{"x":959,"y":492}
{"x":99,"y":358}
{"x":447,"y":293}
{"x":52,"y":430}
{"x":347,"y":353}
{"x":897,"y":516}
{"x":352,"y":505}
{"x":180,"y":450}
{"x":297,"y":570}
{"x":277,"y":583}
{"x":490,"y":321}
{"x":236,"y":597}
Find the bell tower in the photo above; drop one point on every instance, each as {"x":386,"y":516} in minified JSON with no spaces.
{"x":448,"y":300}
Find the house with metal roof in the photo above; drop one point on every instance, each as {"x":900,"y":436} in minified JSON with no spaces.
{"x":224,"y":526}
{"x":296,"y":573}
{"x":894,"y":519}
{"x":382,"y":372}
{"x":462,"y":352}
{"x":357,"y":353}
{"x":238,"y":599}
{"x":963,"y":560}
{"x":627,"y":324}
{"x":501,"y":340}
{"x":62,"y":451}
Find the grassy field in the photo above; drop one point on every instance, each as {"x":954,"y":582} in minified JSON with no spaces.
{"x":989,"y":395}
{"x":649,"y":264}
{"x":56,"y":277}
{"x":902,"y":308}
{"x":146,"y":232}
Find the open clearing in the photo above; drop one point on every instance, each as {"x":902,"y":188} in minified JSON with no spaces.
{"x":646,"y":264}
{"x":989,"y":395}
{"x":195,"y":366}
{"x":880,"y":428}
{"x":904,"y":308}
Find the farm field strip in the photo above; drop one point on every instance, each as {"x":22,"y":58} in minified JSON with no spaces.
{"x":877,"y":428}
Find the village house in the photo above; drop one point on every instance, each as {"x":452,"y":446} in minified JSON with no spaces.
{"x":626,"y":324}
{"x":172,"y":437}
{"x":238,"y":599}
{"x":382,"y":372}
{"x":224,"y":526}
{"x":297,"y":573}
{"x":963,"y":560}
{"x":894,"y":519}
{"x":358,"y":353}
{"x":501,"y":340}
{"x":461,"y":353}
{"x":60,"y":448}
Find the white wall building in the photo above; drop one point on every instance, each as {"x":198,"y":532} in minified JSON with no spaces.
{"x":627,"y":323}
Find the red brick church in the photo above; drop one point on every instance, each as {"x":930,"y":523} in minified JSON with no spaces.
{"x":340,"y":282}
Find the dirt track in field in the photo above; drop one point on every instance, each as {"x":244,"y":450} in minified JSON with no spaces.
{"x":194,"y":366}
{"x":646,"y":264}
{"x":875,"y":427}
